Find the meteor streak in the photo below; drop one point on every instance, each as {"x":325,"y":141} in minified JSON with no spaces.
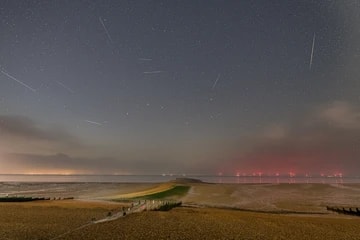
{"x":106,"y":31}
{"x":312,"y":52}
{"x":92,"y":122}
{"x":18,"y":81}
{"x":217,"y":79}
{"x":64,"y":86}
{"x":153,"y":72}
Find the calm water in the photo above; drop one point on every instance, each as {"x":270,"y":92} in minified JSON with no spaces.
{"x":160,"y":178}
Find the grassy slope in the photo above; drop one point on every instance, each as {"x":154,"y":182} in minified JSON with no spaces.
{"x":176,"y":191}
{"x":153,"y":190}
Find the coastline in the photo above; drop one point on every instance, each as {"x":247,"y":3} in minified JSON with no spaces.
{"x":252,"y":211}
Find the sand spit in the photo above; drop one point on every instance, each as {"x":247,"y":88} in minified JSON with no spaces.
{"x":157,"y":189}
{"x":76,"y":190}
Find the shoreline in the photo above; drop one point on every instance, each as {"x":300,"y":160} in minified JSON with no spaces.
{"x":217,"y":211}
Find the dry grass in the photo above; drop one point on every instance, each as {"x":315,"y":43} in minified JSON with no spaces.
{"x":187,"y":223}
{"x":47,"y":219}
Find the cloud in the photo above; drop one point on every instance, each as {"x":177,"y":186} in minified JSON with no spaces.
{"x":325,"y":141}
{"x":26,"y":147}
{"x":22,"y":127}
{"x":63,"y":163}
{"x":57,"y":163}
{"x":21,"y":134}
{"x":342,"y":115}
{"x":275,"y":132}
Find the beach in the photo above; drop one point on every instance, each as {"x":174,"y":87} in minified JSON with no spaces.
{"x":208,"y":211}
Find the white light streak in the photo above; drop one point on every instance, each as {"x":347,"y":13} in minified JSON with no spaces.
{"x":92,"y":122}
{"x":312,"y":52}
{"x":217,"y":79}
{"x":64,"y":86}
{"x":106,"y":31}
{"x":153,"y":72}
{"x":18,"y":81}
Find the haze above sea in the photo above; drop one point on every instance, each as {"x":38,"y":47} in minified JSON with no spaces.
{"x":166,"y":178}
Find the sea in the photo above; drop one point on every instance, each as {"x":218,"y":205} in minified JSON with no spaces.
{"x":166,"y":178}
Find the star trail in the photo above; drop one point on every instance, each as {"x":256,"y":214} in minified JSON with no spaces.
{"x":152,"y":87}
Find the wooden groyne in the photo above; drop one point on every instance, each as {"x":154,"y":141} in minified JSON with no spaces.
{"x":154,"y":205}
{"x":355,"y":211}
{"x":30,"y":199}
{"x":135,"y":207}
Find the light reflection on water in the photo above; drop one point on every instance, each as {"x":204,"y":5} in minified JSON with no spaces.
{"x":160,"y":178}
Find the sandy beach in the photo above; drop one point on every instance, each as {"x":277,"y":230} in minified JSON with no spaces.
{"x":209,"y":211}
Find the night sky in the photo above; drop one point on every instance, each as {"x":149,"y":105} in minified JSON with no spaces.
{"x":194,"y":87}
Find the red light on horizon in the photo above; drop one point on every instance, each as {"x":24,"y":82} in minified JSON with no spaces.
{"x":292,"y":174}
{"x":338,"y":175}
